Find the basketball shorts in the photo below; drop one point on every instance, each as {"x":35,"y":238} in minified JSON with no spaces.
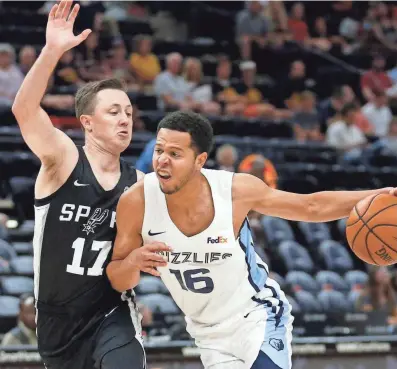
{"x":257,"y":339}
{"x":114,"y":344}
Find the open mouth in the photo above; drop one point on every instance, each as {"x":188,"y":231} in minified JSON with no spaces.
{"x":164,"y":176}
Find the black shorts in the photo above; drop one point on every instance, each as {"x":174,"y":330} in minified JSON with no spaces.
{"x":112,"y":345}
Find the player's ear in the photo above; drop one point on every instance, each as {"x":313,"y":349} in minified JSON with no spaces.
{"x":86,"y":122}
{"x":201,"y":159}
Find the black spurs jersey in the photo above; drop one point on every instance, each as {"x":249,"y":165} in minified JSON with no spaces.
{"x":75,"y":229}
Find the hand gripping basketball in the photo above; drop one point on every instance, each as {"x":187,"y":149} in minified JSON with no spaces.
{"x":371,"y":229}
{"x":59,"y":34}
{"x":147,"y":258}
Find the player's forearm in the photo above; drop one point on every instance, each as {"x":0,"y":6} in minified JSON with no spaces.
{"x":122,"y":275}
{"x":34,"y":86}
{"x":332,"y":205}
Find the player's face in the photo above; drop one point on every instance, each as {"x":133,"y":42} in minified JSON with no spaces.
{"x":111,"y":122}
{"x":175,"y":161}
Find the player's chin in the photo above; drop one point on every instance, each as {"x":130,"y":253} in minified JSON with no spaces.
{"x":167,"y":188}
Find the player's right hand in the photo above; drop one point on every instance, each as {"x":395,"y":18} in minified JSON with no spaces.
{"x":59,"y":34}
{"x":147,"y":259}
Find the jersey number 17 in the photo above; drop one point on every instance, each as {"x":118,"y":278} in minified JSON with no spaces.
{"x":103,"y":248}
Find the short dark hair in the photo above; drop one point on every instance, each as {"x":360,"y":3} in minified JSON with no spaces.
{"x":196,"y":125}
{"x":85,"y":96}
{"x":347,"y":108}
{"x":338,"y":92}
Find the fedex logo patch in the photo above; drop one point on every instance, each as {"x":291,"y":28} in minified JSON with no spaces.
{"x":219,"y":239}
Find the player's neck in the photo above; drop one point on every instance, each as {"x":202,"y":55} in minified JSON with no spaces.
{"x":101,"y":158}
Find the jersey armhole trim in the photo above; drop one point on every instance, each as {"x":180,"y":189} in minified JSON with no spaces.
{"x":46,"y":200}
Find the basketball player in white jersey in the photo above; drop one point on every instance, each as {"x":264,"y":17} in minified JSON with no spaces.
{"x":238,"y":316}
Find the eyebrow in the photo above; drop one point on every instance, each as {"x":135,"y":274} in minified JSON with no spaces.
{"x":119,"y":106}
{"x":170,"y":147}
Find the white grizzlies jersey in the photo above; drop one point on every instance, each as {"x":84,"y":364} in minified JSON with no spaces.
{"x":212,"y":276}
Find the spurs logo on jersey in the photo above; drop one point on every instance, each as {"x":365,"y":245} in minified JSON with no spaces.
{"x":95,"y":219}
{"x":72,"y":212}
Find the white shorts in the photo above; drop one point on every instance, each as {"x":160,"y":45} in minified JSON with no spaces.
{"x":238,"y":347}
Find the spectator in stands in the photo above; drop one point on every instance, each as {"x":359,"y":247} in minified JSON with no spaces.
{"x":375,"y":79}
{"x":306,"y":121}
{"x":223,"y":90}
{"x":226,"y":158}
{"x":389,"y":141}
{"x":171,"y":89}
{"x":297,"y":24}
{"x":117,"y":64}
{"x":10,"y":76}
{"x":27,"y":56}
{"x":199,"y":92}
{"x":260,"y":167}
{"x":57,"y":103}
{"x":66,"y":72}
{"x":296,"y":81}
{"x":323,"y":38}
{"x":89,"y":59}
{"x":345,"y":136}
{"x":251,"y":28}
{"x":143,"y":63}
{"x":378,"y":113}
{"x":385,"y":29}
{"x":379,"y":295}
{"x":25,"y":332}
{"x":254,"y":104}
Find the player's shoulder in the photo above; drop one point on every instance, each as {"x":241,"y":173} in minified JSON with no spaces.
{"x":134,"y":196}
{"x":244,"y":184}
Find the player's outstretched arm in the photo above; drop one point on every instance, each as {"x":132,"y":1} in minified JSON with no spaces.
{"x":251,"y":193}
{"x":44,"y":140}
{"x":130,"y":256}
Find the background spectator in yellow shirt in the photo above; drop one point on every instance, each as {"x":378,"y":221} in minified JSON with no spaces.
{"x":144,"y":64}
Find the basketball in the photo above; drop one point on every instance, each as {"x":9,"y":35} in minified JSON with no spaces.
{"x":371,"y":230}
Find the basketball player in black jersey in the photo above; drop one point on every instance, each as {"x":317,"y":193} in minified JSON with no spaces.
{"x":82,"y":323}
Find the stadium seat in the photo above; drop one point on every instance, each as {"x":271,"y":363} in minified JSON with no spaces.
{"x":356,"y":279}
{"x":330,"y":280}
{"x":352,"y":298}
{"x":295,"y":256}
{"x":314,"y":233}
{"x":4,"y":268}
{"x":335,"y":256}
{"x":276,"y":230}
{"x":333,"y":301}
{"x":23,"y":248}
{"x":342,"y":227}
{"x":9,"y":310}
{"x":150,"y":284}
{"x":299,"y":280}
{"x":159,"y":304}
{"x":307,"y":302}
{"x":22,"y":265}
{"x":7,"y":252}
{"x":278,"y":278}
{"x":16,"y":286}
{"x":296,"y":309}
{"x":24,"y":232}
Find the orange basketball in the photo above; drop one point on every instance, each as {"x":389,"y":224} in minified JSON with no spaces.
{"x":371,"y":229}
